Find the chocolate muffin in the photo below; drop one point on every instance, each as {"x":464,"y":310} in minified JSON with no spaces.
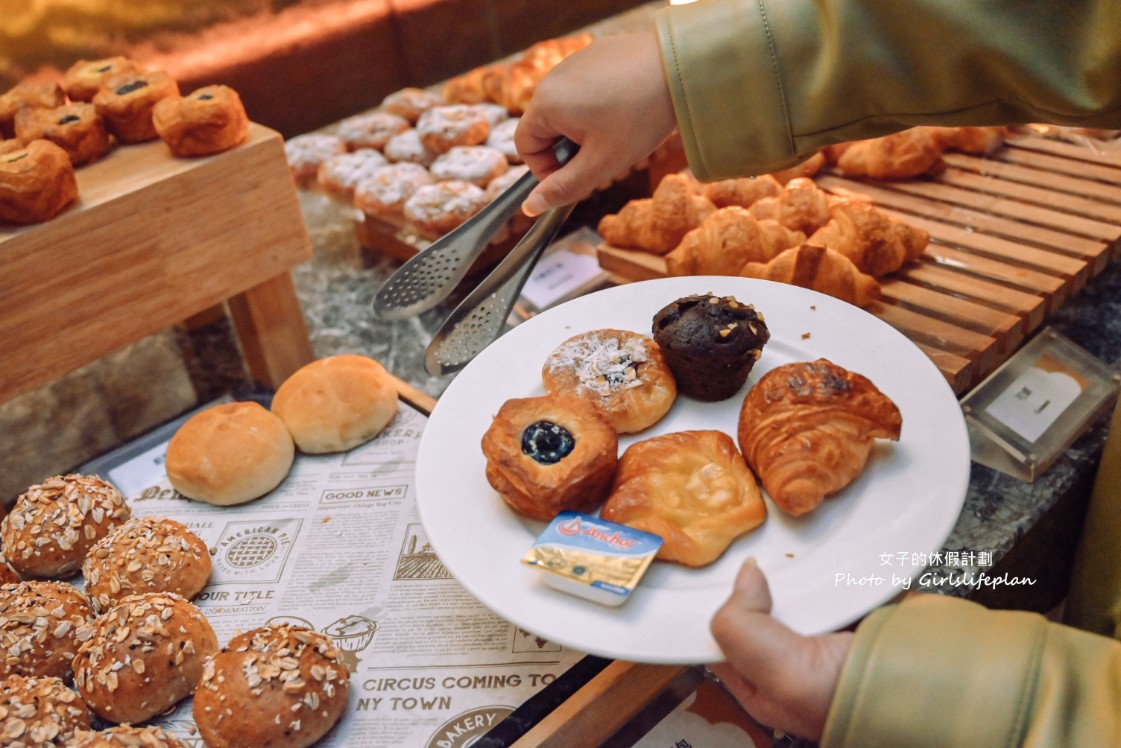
{"x":710,"y":342}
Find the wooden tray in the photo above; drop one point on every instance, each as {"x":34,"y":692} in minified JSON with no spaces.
{"x":152,"y":241}
{"x":1013,"y":236}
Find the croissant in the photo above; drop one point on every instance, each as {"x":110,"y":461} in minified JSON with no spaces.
{"x":975,"y":140}
{"x":807,"y":168}
{"x":743,"y":191}
{"x":801,"y":206}
{"x":467,"y":88}
{"x":820,"y":269}
{"x":807,"y":428}
{"x":658,"y":224}
{"x":897,"y":156}
{"x":728,"y":239}
{"x":875,"y":242}
{"x":545,"y":54}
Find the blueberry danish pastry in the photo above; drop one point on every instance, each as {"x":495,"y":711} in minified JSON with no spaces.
{"x":548,"y":454}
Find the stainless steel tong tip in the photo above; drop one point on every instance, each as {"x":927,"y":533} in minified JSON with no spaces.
{"x":478,"y":320}
{"x":432,"y":274}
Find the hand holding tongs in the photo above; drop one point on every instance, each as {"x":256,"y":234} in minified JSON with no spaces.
{"x":427,"y":278}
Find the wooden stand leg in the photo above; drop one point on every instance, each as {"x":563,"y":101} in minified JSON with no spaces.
{"x":271,"y":329}
{"x":601,"y":707}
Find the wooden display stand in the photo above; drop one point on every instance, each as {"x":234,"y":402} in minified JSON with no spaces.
{"x":1013,"y":236}
{"x":152,"y":241}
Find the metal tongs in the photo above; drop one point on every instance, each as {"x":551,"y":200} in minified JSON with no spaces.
{"x":433,"y":273}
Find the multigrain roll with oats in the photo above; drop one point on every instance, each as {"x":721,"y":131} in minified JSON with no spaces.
{"x":126,"y":102}
{"x":54,"y":524}
{"x":229,"y":454}
{"x":125,"y":736}
{"x":40,"y":626}
{"x":275,"y":687}
{"x":146,"y":554}
{"x":8,"y":575}
{"x":39,"y":711}
{"x":209,"y":120}
{"x":144,"y":655}
{"x":336,"y":403}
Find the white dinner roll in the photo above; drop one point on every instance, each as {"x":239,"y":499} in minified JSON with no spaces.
{"x":229,"y":454}
{"x":335,"y":404}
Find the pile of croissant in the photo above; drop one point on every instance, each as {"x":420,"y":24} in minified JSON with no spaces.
{"x":759,"y":228}
{"x":512,"y":83}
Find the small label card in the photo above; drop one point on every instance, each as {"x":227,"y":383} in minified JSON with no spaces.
{"x":559,"y":273}
{"x":1037,"y":398}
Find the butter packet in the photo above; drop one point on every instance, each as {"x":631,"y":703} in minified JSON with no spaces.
{"x":592,"y":558}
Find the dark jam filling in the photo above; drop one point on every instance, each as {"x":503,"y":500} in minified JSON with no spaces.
{"x":546,"y":442}
{"x":68,"y":119}
{"x":130,"y":87}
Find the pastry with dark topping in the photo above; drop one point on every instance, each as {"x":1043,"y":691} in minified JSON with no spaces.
{"x":209,"y":120}
{"x":126,"y":102}
{"x":711,"y":343}
{"x":37,"y":182}
{"x":76,"y":128}
{"x":547,"y":454}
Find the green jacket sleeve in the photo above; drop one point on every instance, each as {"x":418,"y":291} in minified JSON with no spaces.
{"x":758,"y":86}
{"x":1094,"y":600}
{"x":940,"y":671}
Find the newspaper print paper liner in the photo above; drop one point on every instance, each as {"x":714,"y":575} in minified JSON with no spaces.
{"x":822,"y":568}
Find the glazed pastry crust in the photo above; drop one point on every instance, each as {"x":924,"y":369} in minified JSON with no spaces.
{"x":126,"y":102}
{"x":692,"y":488}
{"x":578,"y":482}
{"x":28,"y":94}
{"x":210,"y":120}
{"x":37,"y":182}
{"x":621,"y":372}
{"x":84,"y":78}
{"x":76,"y":128}
{"x":807,"y":428}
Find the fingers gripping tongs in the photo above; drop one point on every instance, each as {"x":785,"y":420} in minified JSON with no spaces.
{"x":433,"y":273}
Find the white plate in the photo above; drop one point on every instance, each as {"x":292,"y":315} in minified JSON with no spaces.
{"x":823,"y":568}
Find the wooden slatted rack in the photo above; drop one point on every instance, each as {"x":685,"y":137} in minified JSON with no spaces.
{"x":1013,"y":236}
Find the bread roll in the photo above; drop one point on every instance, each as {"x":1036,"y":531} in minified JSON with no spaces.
{"x":277,"y":686}
{"x":35,"y":712}
{"x":229,"y":454}
{"x":144,"y":655}
{"x":335,"y":404}
{"x":52,"y":525}
{"x":39,"y":623}
{"x":146,"y":554}
{"x":125,"y":736}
